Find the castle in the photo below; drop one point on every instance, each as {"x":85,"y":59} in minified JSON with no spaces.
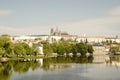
{"x":57,"y":35}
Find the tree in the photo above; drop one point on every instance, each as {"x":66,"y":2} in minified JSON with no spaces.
{"x":68,"y":47}
{"x":54,"y":47}
{"x":74,"y":49}
{"x":81,"y":48}
{"x":47,"y":49}
{"x":60,"y":49}
{"x":90,"y":49}
{"x":19,"y":49}
{"x":4,"y":40}
{"x":6,"y":45}
{"x":2,"y":51}
{"x":34,"y":50}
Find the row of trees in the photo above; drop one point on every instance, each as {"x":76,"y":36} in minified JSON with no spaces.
{"x":7,"y":47}
{"x":67,"y":47}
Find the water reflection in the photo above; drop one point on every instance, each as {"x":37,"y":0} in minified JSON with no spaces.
{"x":6,"y":68}
{"x":53,"y":63}
{"x":113,"y":61}
{"x":77,"y":67}
{"x":23,"y":66}
{"x":5,"y":71}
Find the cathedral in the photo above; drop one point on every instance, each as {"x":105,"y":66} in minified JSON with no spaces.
{"x":55,"y":32}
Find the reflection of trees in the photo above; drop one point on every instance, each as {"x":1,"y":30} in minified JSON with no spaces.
{"x":46,"y":63}
{"x":5,"y":71}
{"x":114,"y":60}
{"x":21,"y":67}
{"x":68,"y":59}
{"x":6,"y":68}
{"x":34,"y":65}
{"x":90,"y":59}
{"x":17,"y":66}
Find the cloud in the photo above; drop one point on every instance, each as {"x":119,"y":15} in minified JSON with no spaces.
{"x":5,"y":12}
{"x":13,"y":30}
{"x":108,"y":24}
{"x":9,"y":30}
{"x":115,"y":11}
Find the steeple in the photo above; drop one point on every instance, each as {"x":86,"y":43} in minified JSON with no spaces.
{"x":55,"y":32}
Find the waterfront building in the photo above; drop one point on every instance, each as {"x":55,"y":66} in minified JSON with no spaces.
{"x":57,"y":35}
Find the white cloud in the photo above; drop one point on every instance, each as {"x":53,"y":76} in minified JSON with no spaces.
{"x":13,"y":30}
{"x":99,"y":25}
{"x":5,"y":12}
{"x":9,"y":30}
{"x":108,"y":24}
{"x":115,"y":11}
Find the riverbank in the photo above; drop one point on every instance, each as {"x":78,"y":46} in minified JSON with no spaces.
{"x":4,"y":59}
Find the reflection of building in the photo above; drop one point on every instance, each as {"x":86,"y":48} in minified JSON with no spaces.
{"x":59,"y":66}
{"x":99,"y":54}
{"x":40,"y":61}
{"x":114,"y":60}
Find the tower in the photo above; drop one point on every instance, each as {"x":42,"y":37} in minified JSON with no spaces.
{"x":52,"y":31}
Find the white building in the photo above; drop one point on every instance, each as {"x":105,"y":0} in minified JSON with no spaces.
{"x":40,"y":47}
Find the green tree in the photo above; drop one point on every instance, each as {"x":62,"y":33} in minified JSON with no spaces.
{"x":6,"y":45}
{"x":82,"y":48}
{"x":74,"y":49}
{"x":4,"y":40}
{"x":19,"y":49}
{"x":90,"y":49}
{"x":34,"y":50}
{"x":47,"y":49}
{"x":60,"y":49}
{"x":54,"y":47}
{"x":68,"y":47}
{"x":2,"y":51}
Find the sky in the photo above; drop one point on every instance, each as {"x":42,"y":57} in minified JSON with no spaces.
{"x":78,"y":17}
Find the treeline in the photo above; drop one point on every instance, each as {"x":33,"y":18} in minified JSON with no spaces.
{"x":67,"y":47}
{"x":8,"y":48}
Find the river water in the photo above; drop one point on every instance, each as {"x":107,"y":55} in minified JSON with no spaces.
{"x":61,"y":68}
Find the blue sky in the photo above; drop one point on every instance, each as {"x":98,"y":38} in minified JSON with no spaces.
{"x":90,"y":17}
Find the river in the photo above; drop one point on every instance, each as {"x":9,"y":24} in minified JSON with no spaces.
{"x":96,"y":67}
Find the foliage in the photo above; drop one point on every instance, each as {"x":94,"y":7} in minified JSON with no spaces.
{"x":67,"y":47}
{"x":62,"y":47}
{"x":47,"y":49}
{"x":7,"y":47}
{"x":81,"y":48}
{"x":19,"y":49}
{"x":90,"y":49}
{"x":2,"y":51}
{"x":115,"y":49}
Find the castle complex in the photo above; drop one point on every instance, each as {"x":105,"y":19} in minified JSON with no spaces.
{"x":57,"y":35}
